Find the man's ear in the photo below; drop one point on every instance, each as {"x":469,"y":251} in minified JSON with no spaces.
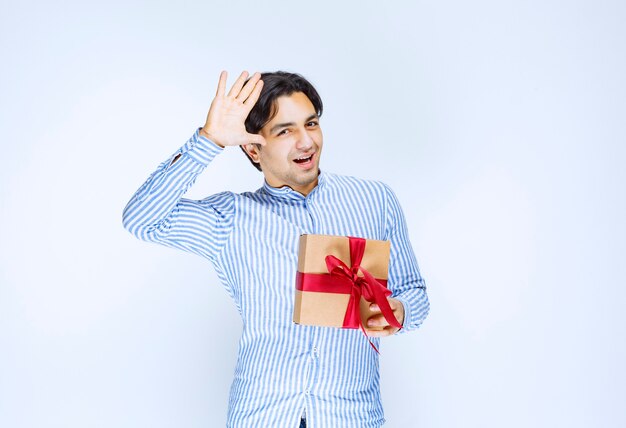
{"x":252,"y":150}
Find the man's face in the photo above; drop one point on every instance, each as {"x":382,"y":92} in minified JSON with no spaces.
{"x":294,"y":145}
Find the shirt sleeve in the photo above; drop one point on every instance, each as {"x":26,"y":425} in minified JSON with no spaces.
{"x":404,"y":280}
{"x":157,"y":212}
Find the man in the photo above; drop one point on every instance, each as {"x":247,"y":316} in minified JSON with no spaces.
{"x":286,"y":374}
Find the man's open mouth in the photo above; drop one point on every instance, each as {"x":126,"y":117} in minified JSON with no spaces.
{"x":304,"y":159}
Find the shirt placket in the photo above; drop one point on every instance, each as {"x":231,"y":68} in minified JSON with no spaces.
{"x":314,"y":343}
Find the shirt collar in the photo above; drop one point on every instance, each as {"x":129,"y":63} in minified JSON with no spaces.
{"x":288,"y":193}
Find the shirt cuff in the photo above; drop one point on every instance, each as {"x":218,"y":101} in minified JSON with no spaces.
{"x":407,"y":315}
{"x":200,"y":149}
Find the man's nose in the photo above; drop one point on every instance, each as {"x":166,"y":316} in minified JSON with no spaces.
{"x":305,"y":141}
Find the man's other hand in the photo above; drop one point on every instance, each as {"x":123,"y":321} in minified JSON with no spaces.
{"x":377,"y":325}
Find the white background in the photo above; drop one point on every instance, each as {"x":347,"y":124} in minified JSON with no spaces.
{"x":499,"y":124}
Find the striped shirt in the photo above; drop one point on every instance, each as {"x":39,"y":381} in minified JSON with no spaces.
{"x":283,"y":369}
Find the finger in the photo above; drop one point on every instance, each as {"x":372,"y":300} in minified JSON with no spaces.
{"x":381,"y":333}
{"x":394,"y":303}
{"x":254,"y":96}
{"x":234,"y":91}
{"x":398,"y":310}
{"x":257,"y":139}
{"x":376,"y":333}
{"x":248,"y":87}
{"x":377,"y":321}
{"x":221,"y":85}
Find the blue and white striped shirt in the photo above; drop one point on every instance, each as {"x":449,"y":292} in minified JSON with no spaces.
{"x":251,"y":239}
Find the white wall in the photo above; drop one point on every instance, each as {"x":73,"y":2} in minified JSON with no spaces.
{"x":499,"y":124}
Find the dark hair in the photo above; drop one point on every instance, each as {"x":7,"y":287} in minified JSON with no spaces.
{"x":275,"y":85}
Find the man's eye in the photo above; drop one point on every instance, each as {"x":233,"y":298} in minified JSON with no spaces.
{"x":312,"y":123}
{"x":283,"y":132}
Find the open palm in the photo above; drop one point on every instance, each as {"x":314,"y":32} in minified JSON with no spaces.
{"x":225,"y":123}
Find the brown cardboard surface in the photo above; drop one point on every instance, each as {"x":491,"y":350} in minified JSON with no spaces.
{"x":315,"y":248}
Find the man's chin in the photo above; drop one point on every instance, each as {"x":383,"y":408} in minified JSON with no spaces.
{"x":306,"y":178}
{"x":310,"y":175}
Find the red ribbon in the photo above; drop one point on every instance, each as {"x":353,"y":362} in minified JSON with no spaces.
{"x":346,"y":280}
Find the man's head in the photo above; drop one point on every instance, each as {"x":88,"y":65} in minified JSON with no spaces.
{"x":287,"y":116}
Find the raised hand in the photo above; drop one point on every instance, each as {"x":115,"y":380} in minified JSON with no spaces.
{"x":225,"y":123}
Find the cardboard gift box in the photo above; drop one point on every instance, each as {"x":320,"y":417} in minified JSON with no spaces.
{"x":337,"y":275}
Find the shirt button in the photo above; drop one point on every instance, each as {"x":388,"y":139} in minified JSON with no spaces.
{"x":307,"y":392}
{"x":315,"y":349}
